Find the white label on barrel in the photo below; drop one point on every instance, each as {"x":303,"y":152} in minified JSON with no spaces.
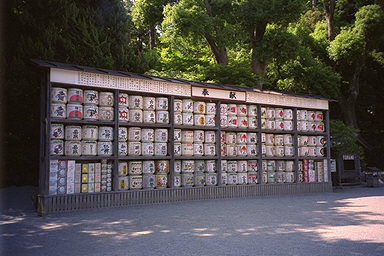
{"x":188,"y":118}
{"x":162,"y":117}
{"x":211,"y":108}
{"x":148,"y":167}
{"x":147,"y":148}
{"x":123,"y":148}
{"x":123,"y":133}
{"x":177,"y":135}
{"x":149,"y":103}
{"x":187,"y":106}
{"x":104,"y":148}
{"x":105,"y":133}
{"x":198,"y":136}
{"x":242,"y":110}
{"x":73,"y":132}
{"x":59,"y":95}
{"x":58,"y":110}
{"x":161,"y":135}
{"x":178,"y":105}
{"x":224,"y":109}
{"x":134,"y":148}
{"x":252,"y":110}
{"x":198,"y":149}
{"x":210,"y":137}
{"x":160,"y":149}
{"x":199,"y":119}
{"x":199,"y":107}
{"x":178,"y":118}
{"x":161,"y":103}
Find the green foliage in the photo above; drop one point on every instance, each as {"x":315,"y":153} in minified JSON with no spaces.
{"x":344,"y":139}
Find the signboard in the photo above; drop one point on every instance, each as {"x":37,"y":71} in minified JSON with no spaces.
{"x":213,"y":93}
{"x":333,"y":165}
{"x":348,"y":157}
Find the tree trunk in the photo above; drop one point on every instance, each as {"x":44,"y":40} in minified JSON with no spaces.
{"x":219,"y":52}
{"x":258,"y":65}
{"x":152,"y":37}
{"x":329,"y":10}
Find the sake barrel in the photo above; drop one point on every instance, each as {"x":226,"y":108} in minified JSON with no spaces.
{"x":135,"y":102}
{"x":105,"y":133}
{"x":162,"y":166}
{"x":88,"y":148}
{"x":199,"y":179}
{"x":59,"y":95}
{"x":104,"y":148}
{"x":106,"y":113}
{"x":161,"y":103}
{"x":57,"y":131}
{"x":123,"y":114}
{"x":136,"y":115}
{"x":75,"y":96}
{"x":56,"y":147}
{"x":149,"y":103}
{"x":187,"y":118}
{"x":242,"y":110}
{"x":149,"y":167}
{"x":91,"y":112}
{"x":187,"y":106}
{"x":161,"y":149}
{"x":149,"y":181}
{"x":123,"y":99}
{"x":58,"y":110}
{"x":123,"y":148}
{"x":75,"y":111}
{"x":187,"y":166}
{"x":106,"y":99}
{"x":134,"y":134}
{"x":199,"y":107}
{"x":74,"y":132}
{"x":177,"y":135}
{"x":136,"y":182}
{"x":135,"y":168}
{"x":149,"y":116}
{"x":198,"y":136}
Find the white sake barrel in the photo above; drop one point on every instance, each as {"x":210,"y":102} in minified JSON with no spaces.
{"x":242,"y":166}
{"x":198,"y":136}
{"x":177,"y":166}
{"x":224,"y":109}
{"x":199,"y":166}
{"x":320,"y":141}
{"x":210,"y":166}
{"x":57,"y":148}
{"x":232,"y":109}
{"x":231,"y":150}
{"x":177,"y":118}
{"x":312,"y":141}
{"x":211,"y":179}
{"x":263,"y":149}
{"x":123,"y":99}
{"x":288,"y":150}
{"x":123,"y":148}
{"x":75,"y":96}
{"x":187,"y":106}
{"x":178,"y":106}
{"x":162,"y":117}
{"x":161,"y":149}
{"x":123,"y":114}
{"x":320,"y":151}
{"x":91,"y":112}
{"x":288,"y":114}
{"x":161,"y":135}
{"x":252,"y":122}
{"x":106,"y":113}
{"x":88,"y":148}
{"x":252,"y":138}
{"x":241,"y":137}
{"x":320,"y":127}
{"x":104,"y":148}
{"x":147,"y":135}
{"x":149,"y":181}
{"x":123,"y":183}
{"x":303,"y":151}
{"x":135,"y":102}
{"x":177,"y":180}
{"x":162,"y":166}
{"x":279,"y":140}
{"x":252,"y":110}
{"x":224,"y":178}
{"x":242,"y":122}
{"x":311,"y":151}
{"x":74,"y":111}
{"x":57,"y":131}
{"x":311,"y":116}
{"x":188,"y":118}
{"x":211,"y":108}
{"x":271,"y":124}
{"x":209,"y":149}
{"x":73,"y":132}
{"x":149,"y":103}
{"x":187,"y":179}
{"x":303,"y":140}
{"x":319,"y":116}
{"x":199,"y":119}
{"x":199,"y":179}
{"x":288,"y":125}
{"x":224,"y":121}
{"x":136,"y":115}
{"x":123,"y":169}
{"x":279,"y":113}
{"x":187,"y":166}
{"x":242,"y":110}
{"x":223,"y":136}
{"x":241,"y":149}
{"x":279,"y":124}
{"x":280,"y":166}
{"x":289,"y":177}
{"x":251,"y":150}
{"x":270,"y":113}
{"x":270,"y":151}
{"x":148,"y":167}
{"x":177,"y":149}
{"x":149,"y":116}
{"x":136,"y":182}
{"x":199,"y":107}
{"x":135,"y":167}
{"x":177,"y":135}
{"x":59,"y":95}
{"x":270,"y":139}
{"x":302,"y":115}
{"x":223,"y":149}
{"x":91,"y":97}
{"x":161,"y":103}
{"x":252,"y":166}
{"x":105,"y":133}
{"x":224,"y":166}
{"x":252,"y":178}
{"x":106,"y":99}
{"x":303,"y":126}
{"x":242,"y":178}
{"x":288,"y":139}
{"x":279,"y":151}
{"x":187,"y":136}
{"x":271,"y":177}
{"x":147,"y":149}
{"x":210,"y":137}
{"x":263,"y":113}
{"x":90,"y":132}
{"x":210,"y":120}
{"x":232,"y":179}
{"x":264,"y":165}
{"x":198,"y":149}
{"x":230,"y":137}
{"x":58,"y":110}
{"x":289,"y":166}
{"x":134,"y":148}
{"x":232,"y":166}
{"x":312,"y":126}
{"x":279,"y":177}
{"x":232,"y":121}
{"x":263,"y":123}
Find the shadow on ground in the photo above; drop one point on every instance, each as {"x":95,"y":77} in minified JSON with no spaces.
{"x":345,"y":222}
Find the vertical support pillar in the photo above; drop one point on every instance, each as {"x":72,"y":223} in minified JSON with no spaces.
{"x":259,"y":147}
{"x":218,"y":142}
{"x":171,"y":139}
{"x":296,"y":145}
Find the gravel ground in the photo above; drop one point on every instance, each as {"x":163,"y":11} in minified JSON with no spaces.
{"x":348,"y":221}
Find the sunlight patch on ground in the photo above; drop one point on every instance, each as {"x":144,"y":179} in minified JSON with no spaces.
{"x":10,"y":220}
{"x":141,"y":233}
{"x":51,"y":226}
{"x":99,"y":232}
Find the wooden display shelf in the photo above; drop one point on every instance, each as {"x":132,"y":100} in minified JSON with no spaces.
{"x":82,"y":121}
{"x":196,"y":157}
{"x":82,"y":158}
{"x":234,"y":129}
{"x":145,"y":125}
{"x":312,"y":157}
{"x":312,"y":133}
{"x":277,"y":131}
{"x":196,"y":127}
{"x":282,"y":158}
{"x":240,"y":158}
{"x":137,"y":158}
